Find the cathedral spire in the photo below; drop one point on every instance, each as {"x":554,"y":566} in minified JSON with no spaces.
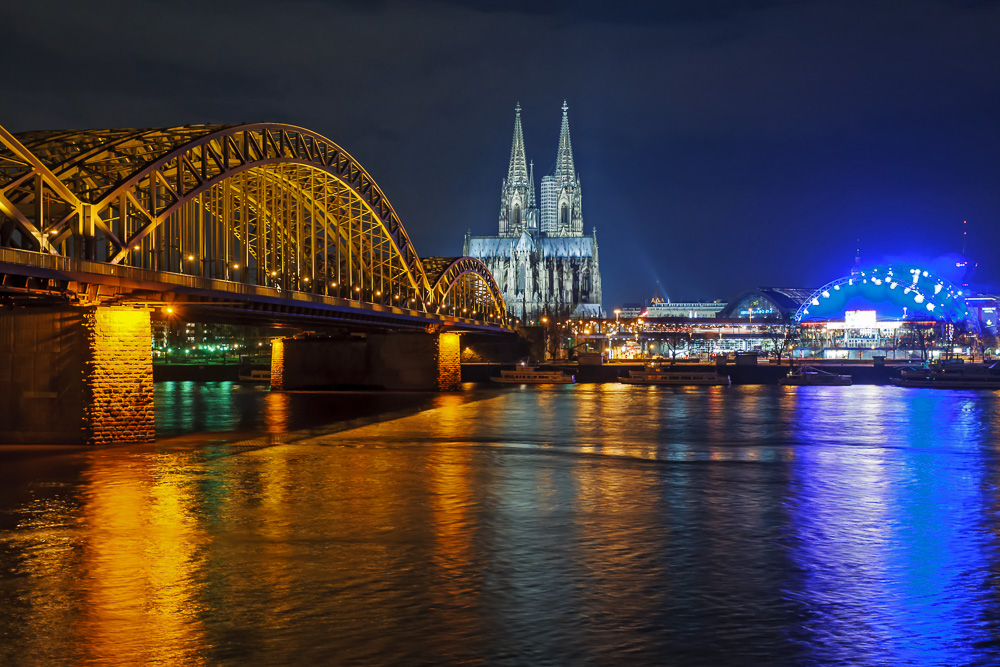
{"x":517,"y":172}
{"x":531,"y":185}
{"x":565,"y":171}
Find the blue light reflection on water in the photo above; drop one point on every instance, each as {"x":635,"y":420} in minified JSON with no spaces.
{"x":892,"y":526}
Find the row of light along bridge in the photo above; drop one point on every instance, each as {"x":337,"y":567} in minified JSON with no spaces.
{"x":254,"y":224}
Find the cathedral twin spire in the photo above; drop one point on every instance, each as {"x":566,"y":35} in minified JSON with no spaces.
{"x":517,"y":173}
{"x":565,"y":171}
{"x":519,"y":205}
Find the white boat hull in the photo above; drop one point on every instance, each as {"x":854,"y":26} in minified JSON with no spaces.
{"x":676,"y":379}
{"x":564,"y":380}
{"x":532,"y":376}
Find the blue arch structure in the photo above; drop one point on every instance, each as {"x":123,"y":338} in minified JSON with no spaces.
{"x":894,"y":288}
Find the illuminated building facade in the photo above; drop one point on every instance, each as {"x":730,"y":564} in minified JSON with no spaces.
{"x":896,"y":312}
{"x":540,"y":258}
{"x":687,"y":309}
{"x":987,"y":308}
{"x":766,"y":303}
{"x":630,"y":311}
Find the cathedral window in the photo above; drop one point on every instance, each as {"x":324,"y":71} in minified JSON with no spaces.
{"x":515,"y":218}
{"x":585,"y":283}
{"x":520,"y":277}
{"x":564,"y":215}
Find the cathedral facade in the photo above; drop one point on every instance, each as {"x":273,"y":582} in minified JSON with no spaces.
{"x":541,"y":259}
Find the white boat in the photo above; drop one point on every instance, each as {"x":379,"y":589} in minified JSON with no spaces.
{"x":255,"y":376}
{"x":525,"y":375}
{"x":951,"y":375}
{"x":810,"y":376}
{"x":679,"y":377}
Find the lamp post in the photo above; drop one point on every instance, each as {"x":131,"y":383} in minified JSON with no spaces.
{"x":545,"y":325}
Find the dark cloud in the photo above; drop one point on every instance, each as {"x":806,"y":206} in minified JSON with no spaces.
{"x":721,"y":144}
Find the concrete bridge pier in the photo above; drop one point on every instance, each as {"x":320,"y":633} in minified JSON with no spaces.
{"x":76,"y":375}
{"x":414,"y":361}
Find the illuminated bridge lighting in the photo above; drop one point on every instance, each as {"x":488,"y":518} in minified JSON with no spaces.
{"x":261,"y":202}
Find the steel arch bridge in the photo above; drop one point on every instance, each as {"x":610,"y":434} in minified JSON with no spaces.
{"x":266,"y":204}
{"x":910,"y":286}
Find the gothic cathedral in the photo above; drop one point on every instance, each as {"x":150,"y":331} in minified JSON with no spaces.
{"x":541,"y":259}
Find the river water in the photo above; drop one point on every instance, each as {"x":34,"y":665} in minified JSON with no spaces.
{"x":571,"y":525}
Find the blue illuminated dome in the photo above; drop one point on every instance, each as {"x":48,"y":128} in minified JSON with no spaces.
{"x":894,"y":292}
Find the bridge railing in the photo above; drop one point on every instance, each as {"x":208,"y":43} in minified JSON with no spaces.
{"x":73,"y":269}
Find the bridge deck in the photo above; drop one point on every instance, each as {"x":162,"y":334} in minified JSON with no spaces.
{"x":225,"y":300}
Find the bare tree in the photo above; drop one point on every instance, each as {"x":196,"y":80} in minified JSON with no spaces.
{"x":554,"y":320}
{"x":918,"y":336}
{"x":783,"y":338}
{"x":675,"y":341}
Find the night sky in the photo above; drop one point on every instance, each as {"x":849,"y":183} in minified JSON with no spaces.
{"x":721,"y":145}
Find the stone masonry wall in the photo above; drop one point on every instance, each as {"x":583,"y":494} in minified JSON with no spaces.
{"x":117,"y":376}
{"x":277,"y":364}
{"x":449,"y":361}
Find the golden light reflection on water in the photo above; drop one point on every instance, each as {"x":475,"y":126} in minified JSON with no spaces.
{"x":140,"y":566}
{"x":451,"y":476}
{"x":277,"y":411}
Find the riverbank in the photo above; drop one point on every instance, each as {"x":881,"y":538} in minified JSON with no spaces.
{"x":196,"y":372}
{"x":482,"y":372}
{"x":761,"y":374}
{"x":196,"y":415}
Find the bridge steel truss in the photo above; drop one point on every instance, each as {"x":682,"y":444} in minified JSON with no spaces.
{"x":266,"y":204}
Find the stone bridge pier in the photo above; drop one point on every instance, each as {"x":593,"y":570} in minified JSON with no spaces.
{"x":76,"y":375}
{"x":396,"y":361}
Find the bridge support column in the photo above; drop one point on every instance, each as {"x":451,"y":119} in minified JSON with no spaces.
{"x":76,"y":375}
{"x":277,"y":364}
{"x":398,"y":361}
{"x":449,"y":361}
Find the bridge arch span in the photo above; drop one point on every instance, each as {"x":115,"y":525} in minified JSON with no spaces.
{"x":265,"y":204}
{"x":463,"y":285}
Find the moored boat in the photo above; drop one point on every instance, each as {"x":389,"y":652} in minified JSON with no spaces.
{"x":810,"y":376}
{"x":255,"y":375}
{"x":525,"y":375}
{"x":951,"y":375}
{"x":678,"y":377}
